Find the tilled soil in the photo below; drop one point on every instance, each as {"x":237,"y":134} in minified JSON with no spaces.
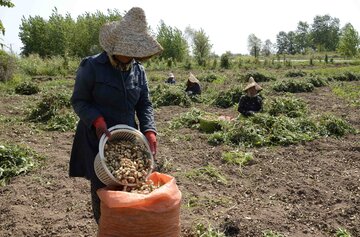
{"x":308,"y":189}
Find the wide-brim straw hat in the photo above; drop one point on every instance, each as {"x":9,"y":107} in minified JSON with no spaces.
{"x":252,"y":83}
{"x":193,"y":79}
{"x":171,"y":75}
{"x":129,"y":36}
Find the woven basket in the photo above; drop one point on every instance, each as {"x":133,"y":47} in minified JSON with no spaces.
{"x":125,"y":133}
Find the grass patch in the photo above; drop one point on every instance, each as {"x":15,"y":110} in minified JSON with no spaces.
{"x":189,"y":119}
{"x":349,"y":92}
{"x":288,"y":106}
{"x":207,"y":173}
{"x":207,"y":231}
{"x":342,"y":233}
{"x":165,"y":95}
{"x":54,"y":113}
{"x":293,"y":86}
{"x":237,"y":157}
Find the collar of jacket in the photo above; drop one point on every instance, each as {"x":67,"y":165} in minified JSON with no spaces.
{"x":103,"y":58}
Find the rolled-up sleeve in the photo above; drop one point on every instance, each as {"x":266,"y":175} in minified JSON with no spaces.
{"x":81,"y":99}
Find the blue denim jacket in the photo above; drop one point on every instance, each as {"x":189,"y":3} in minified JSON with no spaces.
{"x":119,"y":97}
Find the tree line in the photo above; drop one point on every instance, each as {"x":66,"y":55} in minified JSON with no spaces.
{"x":64,"y":36}
{"x":323,"y":35}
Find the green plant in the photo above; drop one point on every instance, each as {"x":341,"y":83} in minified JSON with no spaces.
{"x":226,"y":99}
{"x":295,"y":73}
{"x":189,"y":119}
{"x":165,"y":95}
{"x":14,"y":160}
{"x":258,"y":76}
{"x":342,"y":233}
{"x":27,"y":88}
{"x":317,"y":81}
{"x":34,"y":65}
{"x":245,"y":132}
{"x":65,"y":121}
{"x":49,"y":106}
{"x":333,"y":126}
{"x":217,"y":138}
{"x":289,"y":106}
{"x":209,"y":173}
{"x":266,"y":130}
{"x":347,"y":91}
{"x":293,"y":86}
{"x":208,"y":77}
{"x":345,"y":76}
{"x":7,"y":66}
{"x":202,"y":231}
{"x":237,"y":157}
{"x":209,"y":123}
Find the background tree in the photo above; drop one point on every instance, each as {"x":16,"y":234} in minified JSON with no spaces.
{"x":5,"y":3}
{"x":56,"y":29}
{"x":173,"y":41}
{"x":349,"y":41}
{"x":33,"y":35}
{"x":291,"y":46}
{"x":225,"y":60}
{"x":62,"y":35}
{"x":86,"y":35}
{"x":254,"y":45}
{"x":302,"y":37}
{"x":267,"y":48}
{"x":325,"y":32}
{"x":282,"y":42}
{"x":201,"y":46}
{"x":286,"y":42}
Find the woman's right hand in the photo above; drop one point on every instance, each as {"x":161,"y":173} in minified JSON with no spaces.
{"x":101,"y":127}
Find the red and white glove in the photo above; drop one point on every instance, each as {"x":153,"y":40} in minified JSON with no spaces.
{"x":151,"y":137}
{"x":101,"y":127}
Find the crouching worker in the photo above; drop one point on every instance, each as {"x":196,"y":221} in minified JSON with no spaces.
{"x":170,"y":79}
{"x":193,"y":86}
{"x":251,"y":102}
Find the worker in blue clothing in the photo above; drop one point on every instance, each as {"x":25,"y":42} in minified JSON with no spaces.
{"x":111,"y":88}
{"x":193,"y":86}
{"x":251,"y":102}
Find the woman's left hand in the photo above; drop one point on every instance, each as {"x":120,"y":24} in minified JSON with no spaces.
{"x":151,"y":137}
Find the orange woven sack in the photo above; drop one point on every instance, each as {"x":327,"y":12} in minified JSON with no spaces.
{"x":157,"y":214}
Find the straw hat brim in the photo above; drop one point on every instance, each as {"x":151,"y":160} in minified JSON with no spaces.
{"x":128,"y":38}
{"x":193,"y":79}
{"x":253,"y":84}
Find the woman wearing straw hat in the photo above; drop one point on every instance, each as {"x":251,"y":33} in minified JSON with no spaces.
{"x":193,"y":86}
{"x":251,"y":102}
{"x":170,"y":79}
{"x":111,"y":88}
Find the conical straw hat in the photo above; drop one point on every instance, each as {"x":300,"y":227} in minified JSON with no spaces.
{"x":252,"y":83}
{"x":193,"y":79}
{"x":129,"y":36}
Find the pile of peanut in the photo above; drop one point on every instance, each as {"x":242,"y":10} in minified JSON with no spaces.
{"x":128,"y":162}
{"x":142,"y":188}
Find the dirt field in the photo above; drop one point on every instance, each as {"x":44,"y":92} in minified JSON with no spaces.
{"x":309,"y":189}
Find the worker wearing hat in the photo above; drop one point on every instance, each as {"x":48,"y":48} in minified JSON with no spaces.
{"x":251,"y":102}
{"x":111,"y":88}
{"x":193,"y":85}
{"x":171,"y":78}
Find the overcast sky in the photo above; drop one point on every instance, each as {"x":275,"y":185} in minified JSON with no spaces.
{"x":228,"y":23}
